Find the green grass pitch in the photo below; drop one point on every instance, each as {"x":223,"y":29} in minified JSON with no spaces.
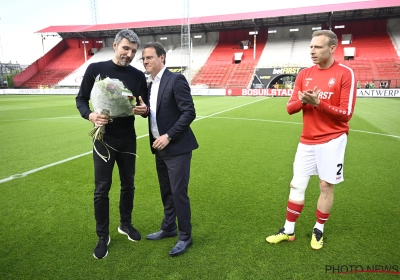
{"x":239,"y":188}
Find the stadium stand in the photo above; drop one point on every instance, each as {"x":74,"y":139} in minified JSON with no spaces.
{"x":220,"y":69}
{"x":56,"y":70}
{"x":74,"y":78}
{"x":275,"y":53}
{"x":375,"y":58}
{"x":213,"y":64}
{"x":199,"y":56}
{"x":67,"y":56}
{"x":286,"y":48}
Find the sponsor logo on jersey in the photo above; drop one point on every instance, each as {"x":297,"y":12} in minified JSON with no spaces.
{"x":331,"y":82}
{"x":325,"y":95}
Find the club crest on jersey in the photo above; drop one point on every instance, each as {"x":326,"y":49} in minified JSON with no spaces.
{"x":331,"y":82}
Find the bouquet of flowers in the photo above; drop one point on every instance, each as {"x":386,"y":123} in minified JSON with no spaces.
{"x":110,"y":97}
{"x":111,"y":94}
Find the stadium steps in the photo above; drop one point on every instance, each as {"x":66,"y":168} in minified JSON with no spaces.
{"x":376,"y":58}
{"x":220,"y":71}
{"x":63,"y":65}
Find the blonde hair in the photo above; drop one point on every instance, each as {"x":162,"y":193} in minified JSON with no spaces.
{"x":333,"y":40}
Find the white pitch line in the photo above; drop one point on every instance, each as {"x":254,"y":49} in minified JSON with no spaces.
{"x":38,"y":119}
{"x":376,"y":133}
{"x":261,"y":120}
{"x":41,"y":168}
{"x":197,"y":119}
{"x":15,"y":176}
{"x":12,"y":177}
{"x":227,"y":110}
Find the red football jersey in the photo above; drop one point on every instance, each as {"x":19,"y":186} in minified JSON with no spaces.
{"x":337,"y":99}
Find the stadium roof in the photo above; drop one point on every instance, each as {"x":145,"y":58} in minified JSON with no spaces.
{"x":374,"y":9}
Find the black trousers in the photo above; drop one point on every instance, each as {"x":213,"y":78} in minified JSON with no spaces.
{"x":173,"y":176}
{"x":103,"y":179}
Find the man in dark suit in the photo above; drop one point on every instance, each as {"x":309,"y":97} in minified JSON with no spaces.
{"x":170,"y":110}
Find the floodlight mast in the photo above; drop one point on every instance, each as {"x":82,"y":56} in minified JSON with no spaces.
{"x":93,"y":11}
{"x":1,"y":50}
{"x":185,"y":41}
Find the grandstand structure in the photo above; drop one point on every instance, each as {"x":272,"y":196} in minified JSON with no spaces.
{"x":250,"y":50}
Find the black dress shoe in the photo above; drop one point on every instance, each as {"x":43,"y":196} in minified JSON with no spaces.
{"x":161,"y":234}
{"x":181,"y":247}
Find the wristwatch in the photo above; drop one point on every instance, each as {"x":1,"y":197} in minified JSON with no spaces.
{"x":169,"y":138}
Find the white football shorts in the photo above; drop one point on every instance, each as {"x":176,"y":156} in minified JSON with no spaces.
{"x":325,"y":160}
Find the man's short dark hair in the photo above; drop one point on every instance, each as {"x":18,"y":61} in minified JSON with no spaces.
{"x":158,"y":47}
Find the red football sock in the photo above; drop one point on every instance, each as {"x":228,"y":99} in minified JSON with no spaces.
{"x":293,"y":211}
{"x":321,"y":217}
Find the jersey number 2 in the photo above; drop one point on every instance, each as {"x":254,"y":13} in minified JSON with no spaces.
{"x":340,"y":166}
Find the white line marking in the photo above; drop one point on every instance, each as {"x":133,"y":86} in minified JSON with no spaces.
{"x":227,"y":110}
{"x":41,"y":168}
{"x":381,"y":134}
{"x":16,"y":176}
{"x":38,"y":119}
{"x":261,"y":120}
{"x":197,"y":119}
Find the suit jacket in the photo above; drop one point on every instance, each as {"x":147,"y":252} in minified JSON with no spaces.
{"x":175,"y":113}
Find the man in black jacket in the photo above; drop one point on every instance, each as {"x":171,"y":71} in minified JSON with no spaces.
{"x":119,"y":138}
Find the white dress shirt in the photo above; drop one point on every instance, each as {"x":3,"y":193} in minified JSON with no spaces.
{"x":153,"y":102}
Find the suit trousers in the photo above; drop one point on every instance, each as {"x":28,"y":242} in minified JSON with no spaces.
{"x":173,"y":175}
{"x":103,"y":173}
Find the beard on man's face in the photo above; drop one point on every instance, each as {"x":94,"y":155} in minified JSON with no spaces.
{"x":124,"y":61}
